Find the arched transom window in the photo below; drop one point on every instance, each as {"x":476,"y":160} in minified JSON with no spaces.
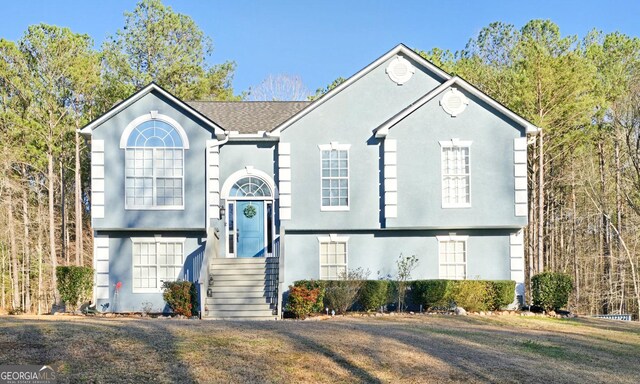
{"x":250,"y":187}
{"x":154,"y":166}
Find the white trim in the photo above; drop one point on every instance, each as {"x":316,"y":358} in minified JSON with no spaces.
{"x":101,"y":267}
{"x":442,"y":240}
{"x":335,"y":146}
{"x":400,"y":48}
{"x":149,"y":117}
{"x":383,"y":129}
{"x":248,"y":171}
{"x":158,"y":239}
{"x":87,"y":130}
{"x":333,"y":238}
{"x":447,"y":95}
{"x":454,"y":143}
{"x":392,"y":68}
{"x":97,"y":180}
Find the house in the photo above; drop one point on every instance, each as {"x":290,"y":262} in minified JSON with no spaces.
{"x":243,"y":198}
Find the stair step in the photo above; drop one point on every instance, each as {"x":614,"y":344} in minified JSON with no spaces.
{"x":239,"y":307}
{"x":245,"y":277}
{"x":235,"y":294}
{"x":230,"y":314}
{"x":242,"y":318}
{"x":239,"y":283}
{"x":237,"y":300}
{"x":239,"y":260}
{"x":241,"y":268}
{"x":241,"y":289}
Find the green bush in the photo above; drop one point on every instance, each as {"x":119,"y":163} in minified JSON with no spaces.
{"x":431,"y":293}
{"x":501,"y":293}
{"x":302,"y":300}
{"x":318,"y":306}
{"x":181,"y":297}
{"x":342,"y":294}
{"x":473,"y":295}
{"x":551,"y":290}
{"x":74,"y":284}
{"x":373,"y":294}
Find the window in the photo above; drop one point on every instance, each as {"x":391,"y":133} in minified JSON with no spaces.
{"x":154,"y":166}
{"x":455,"y":174}
{"x":155,"y":261}
{"x":452,"y":252}
{"x":333,"y":257}
{"x":334,"y":176}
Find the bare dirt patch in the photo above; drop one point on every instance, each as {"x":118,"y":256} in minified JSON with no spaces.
{"x":412,"y":349}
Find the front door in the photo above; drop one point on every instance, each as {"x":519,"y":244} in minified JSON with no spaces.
{"x":251,"y":225}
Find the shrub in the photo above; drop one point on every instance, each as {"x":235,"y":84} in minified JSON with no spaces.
{"x":469,"y":294}
{"x":181,"y":297}
{"x":501,"y":293}
{"x":74,"y":284}
{"x":373,"y":294}
{"x":318,"y":306}
{"x":301,"y":300}
{"x":340,"y":295}
{"x":473,"y":295}
{"x":551,"y":290}
{"x":431,"y":293}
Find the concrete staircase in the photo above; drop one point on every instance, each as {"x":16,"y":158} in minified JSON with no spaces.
{"x":242,"y":289}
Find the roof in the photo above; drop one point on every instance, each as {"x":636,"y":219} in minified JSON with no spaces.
{"x":87,"y":129}
{"x":445,"y":77}
{"x":248,"y":116}
{"x":383,"y":129}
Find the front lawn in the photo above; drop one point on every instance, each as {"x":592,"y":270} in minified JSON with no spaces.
{"x":436,"y":348}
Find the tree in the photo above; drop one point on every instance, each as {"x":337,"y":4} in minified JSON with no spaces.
{"x":322,"y":91}
{"x":280,"y":87}
{"x":158,"y":44}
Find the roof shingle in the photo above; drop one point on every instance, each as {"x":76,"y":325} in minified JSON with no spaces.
{"x":248,"y":116}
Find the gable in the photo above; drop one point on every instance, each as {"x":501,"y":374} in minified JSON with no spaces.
{"x":161,"y":93}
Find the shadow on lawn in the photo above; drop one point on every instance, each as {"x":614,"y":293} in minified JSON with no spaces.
{"x":101,"y":354}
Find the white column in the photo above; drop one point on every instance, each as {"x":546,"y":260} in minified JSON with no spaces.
{"x":390,"y":178}
{"x":520,"y":169}
{"x":516,"y":256}
{"x":97,"y":179}
{"x":284,"y":176}
{"x":101,"y":266}
{"x":213,"y":181}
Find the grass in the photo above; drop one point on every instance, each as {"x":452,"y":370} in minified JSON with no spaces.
{"x":411,"y":349}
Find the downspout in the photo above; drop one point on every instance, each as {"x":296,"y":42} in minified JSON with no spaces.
{"x":204,"y":267}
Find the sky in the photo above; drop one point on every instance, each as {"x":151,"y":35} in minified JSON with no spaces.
{"x":324,"y":39}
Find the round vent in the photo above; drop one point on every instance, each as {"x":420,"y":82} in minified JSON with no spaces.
{"x":454,"y":102}
{"x":400,"y":70}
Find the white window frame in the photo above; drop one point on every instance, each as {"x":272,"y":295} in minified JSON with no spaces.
{"x":334,"y":146}
{"x":332,"y":238}
{"x":154,"y":115}
{"x":442,"y":241}
{"x":155,"y":241}
{"x":454,"y":143}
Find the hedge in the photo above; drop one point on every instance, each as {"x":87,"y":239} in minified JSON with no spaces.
{"x":550,"y":290}
{"x":74,"y":284}
{"x":374,"y":294}
{"x":473,"y":295}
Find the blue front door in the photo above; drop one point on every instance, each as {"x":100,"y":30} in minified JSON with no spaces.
{"x":250,"y":232}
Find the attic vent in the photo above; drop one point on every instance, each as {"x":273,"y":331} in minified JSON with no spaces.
{"x":454,"y":102}
{"x":400,"y":70}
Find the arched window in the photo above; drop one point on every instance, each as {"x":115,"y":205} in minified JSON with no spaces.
{"x":250,"y":187}
{"x":154,"y":166}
